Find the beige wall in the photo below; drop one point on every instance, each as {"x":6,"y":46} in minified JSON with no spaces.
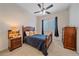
{"x":13,"y":15}
{"x":74,"y":20}
{"x":63,"y":20}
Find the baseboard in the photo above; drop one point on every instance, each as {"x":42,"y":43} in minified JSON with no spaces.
{"x":4,"y":50}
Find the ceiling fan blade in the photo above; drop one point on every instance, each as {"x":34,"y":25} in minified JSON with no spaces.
{"x":48,"y":12}
{"x":49,"y":6}
{"x":37,"y":11}
{"x":39,"y":5}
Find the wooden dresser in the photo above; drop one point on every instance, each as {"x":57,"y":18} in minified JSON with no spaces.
{"x":69,"y":39}
{"x":14,"y":40}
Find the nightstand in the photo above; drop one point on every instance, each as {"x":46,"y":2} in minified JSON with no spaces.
{"x":14,"y":40}
{"x":15,"y":43}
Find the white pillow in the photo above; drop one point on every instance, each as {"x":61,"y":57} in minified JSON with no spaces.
{"x":27,"y":33}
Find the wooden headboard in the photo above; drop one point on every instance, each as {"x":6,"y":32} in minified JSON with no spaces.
{"x":27,"y":28}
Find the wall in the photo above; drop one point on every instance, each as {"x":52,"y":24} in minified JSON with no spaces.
{"x":74,"y":20}
{"x":13,"y":15}
{"x":63,"y":20}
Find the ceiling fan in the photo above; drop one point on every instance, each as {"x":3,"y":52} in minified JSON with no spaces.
{"x":43,"y":9}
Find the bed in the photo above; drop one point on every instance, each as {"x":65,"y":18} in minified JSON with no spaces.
{"x":39,"y":41}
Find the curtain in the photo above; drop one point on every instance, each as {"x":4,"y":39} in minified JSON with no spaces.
{"x":42,"y":27}
{"x":56,"y":27}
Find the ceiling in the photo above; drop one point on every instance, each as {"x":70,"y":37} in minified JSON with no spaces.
{"x":32,"y":7}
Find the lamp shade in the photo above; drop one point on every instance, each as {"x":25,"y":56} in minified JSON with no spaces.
{"x":14,"y":28}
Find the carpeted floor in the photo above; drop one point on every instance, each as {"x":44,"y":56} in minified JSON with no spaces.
{"x":55,"y":49}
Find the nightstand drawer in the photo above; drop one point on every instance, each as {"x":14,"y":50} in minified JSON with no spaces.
{"x":15,"y":43}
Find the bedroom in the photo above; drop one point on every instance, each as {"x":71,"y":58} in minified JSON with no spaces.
{"x":19,"y":15}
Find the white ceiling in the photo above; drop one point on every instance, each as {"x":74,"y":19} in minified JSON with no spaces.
{"x":32,"y":7}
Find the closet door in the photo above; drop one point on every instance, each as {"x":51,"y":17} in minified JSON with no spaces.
{"x":70,"y":38}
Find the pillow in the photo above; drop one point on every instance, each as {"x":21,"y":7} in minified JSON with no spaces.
{"x":37,"y":32}
{"x":31,"y":33}
{"x":27,"y":33}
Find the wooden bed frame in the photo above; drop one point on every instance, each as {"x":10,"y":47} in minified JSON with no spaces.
{"x":47,"y":41}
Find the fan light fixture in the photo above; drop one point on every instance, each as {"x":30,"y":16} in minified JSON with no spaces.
{"x":43,"y":10}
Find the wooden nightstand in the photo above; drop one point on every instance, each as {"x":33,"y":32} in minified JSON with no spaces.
{"x":15,"y":43}
{"x":14,"y":40}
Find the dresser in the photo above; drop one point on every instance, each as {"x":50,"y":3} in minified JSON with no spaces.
{"x":69,"y":39}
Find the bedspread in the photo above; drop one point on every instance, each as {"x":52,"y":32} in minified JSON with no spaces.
{"x":37,"y":41}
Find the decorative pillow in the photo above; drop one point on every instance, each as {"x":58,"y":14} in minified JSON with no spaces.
{"x":37,"y":32}
{"x":31,"y":33}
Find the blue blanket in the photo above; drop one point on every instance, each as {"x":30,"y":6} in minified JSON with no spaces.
{"x":40,"y":36}
{"x":37,"y":41}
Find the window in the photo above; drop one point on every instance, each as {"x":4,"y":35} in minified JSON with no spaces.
{"x":49,"y":25}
